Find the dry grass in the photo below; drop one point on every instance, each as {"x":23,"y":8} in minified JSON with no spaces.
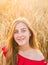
{"x":36,"y":11}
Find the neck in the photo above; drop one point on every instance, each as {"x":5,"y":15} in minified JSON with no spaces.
{"x":24,"y":47}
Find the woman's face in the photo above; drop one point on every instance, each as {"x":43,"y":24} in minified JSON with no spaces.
{"x":21,"y":34}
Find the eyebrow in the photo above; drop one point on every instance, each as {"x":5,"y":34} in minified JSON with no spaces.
{"x":21,"y":29}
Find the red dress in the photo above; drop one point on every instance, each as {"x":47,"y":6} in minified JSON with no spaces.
{"x":24,"y":61}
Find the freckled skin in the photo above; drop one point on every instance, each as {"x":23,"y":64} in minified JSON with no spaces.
{"x":21,"y":34}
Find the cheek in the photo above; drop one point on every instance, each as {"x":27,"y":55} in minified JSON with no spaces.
{"x":27,"y":35}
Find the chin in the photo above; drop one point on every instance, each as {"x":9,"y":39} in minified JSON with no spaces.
{"x":21,"y":44}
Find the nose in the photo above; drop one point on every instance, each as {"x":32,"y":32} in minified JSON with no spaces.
{"x":20,"y":36}
{"x":20,"y":33}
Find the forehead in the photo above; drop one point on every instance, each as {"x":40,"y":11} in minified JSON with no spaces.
{"x":21,"y":25}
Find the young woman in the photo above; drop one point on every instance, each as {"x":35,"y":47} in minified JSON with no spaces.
{"x":22,"y":45}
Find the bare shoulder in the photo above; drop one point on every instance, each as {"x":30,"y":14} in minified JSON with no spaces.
{"x":38,"y":55}
{"x":32,"y":54}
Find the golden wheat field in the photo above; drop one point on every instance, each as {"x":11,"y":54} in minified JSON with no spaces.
{"x":36,"y":11}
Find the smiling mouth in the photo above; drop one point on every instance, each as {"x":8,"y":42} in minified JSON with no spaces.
{"x":20,"y":38}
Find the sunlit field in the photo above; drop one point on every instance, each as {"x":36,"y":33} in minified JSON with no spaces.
{"x":36,"y":11}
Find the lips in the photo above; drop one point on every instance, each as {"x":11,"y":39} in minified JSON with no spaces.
{"x":20,"y":38}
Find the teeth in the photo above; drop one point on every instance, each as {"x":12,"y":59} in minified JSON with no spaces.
{"x":20,"y":39}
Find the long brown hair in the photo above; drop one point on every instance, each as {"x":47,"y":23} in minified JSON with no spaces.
{"x":13,"y":47}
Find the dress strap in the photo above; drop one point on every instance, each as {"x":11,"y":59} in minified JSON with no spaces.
{"x":4,"y":50}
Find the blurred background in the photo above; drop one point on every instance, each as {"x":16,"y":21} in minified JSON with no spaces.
{"x":36,"y":11}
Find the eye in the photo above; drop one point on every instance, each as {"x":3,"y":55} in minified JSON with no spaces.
{"x":16,"y":31}
{"x":23,"y":30}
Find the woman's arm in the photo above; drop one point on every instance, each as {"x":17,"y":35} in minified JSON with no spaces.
{"x":3,"y":56}
{"x":2,"y":59}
